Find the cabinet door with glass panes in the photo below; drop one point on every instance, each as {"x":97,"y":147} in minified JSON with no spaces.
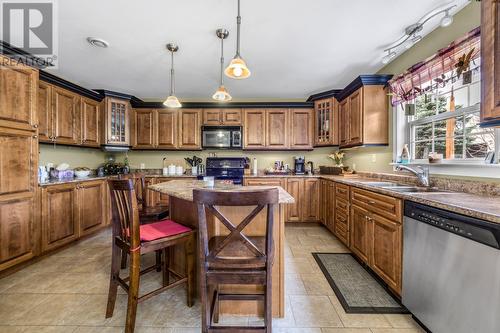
{"x":326,"y":122}
{"x":117,"y":114}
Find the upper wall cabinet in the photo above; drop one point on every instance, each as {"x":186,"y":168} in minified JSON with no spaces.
{"x":301,"y":129}
{"x":254,"y":132}
{"x":190,"y":129}
{"x":67,"y":118}
{"x":364,"y":117}
{"x":326,"y":127}
{"x":154,"y":129}
{"x":116,"y":122}
{"x":18,"y":91}
{"x":490,"y":63}
{"x":222,"y":117}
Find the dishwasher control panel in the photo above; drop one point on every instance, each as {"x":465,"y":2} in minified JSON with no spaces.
{"x":475,"y":229}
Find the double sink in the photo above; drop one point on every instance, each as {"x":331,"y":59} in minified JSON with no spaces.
{"x":402,"y":188}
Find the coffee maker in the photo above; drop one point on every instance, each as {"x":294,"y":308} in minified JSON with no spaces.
{"x":299,"y":165}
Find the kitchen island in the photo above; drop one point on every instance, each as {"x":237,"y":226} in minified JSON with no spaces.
{"x":183,"y":210}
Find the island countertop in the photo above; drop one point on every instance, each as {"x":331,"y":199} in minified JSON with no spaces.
{"x":183,"y":189}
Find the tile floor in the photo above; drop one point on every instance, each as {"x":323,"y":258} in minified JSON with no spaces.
{"x":67,"y":292}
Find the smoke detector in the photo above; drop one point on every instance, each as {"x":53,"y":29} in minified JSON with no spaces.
{"x":94,"y":41}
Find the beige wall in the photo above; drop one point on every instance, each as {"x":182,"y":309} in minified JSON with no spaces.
{"x":92,"y":158}
{"x":377,"y":158}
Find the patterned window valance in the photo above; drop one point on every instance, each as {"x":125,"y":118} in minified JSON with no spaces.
{"x":426,"y":76}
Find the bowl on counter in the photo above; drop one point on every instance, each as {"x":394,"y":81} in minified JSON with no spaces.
{"x":82,"y":173}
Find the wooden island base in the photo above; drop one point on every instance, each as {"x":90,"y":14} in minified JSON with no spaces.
{"x":184,"y":211}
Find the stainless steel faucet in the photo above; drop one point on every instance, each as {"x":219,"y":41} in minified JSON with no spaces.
{"x":422,"y":173}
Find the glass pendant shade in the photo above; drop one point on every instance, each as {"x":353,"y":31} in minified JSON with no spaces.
{"x":222,"y":95}
{"x":237,"y":69}
{"x":172,"y":102}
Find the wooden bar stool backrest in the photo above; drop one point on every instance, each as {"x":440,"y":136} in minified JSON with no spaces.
{"x":125,"y":211}
{"x":139,"y":186}
{"x":209,"y":200}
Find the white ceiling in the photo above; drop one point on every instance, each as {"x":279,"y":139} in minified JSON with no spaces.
{"x":293,"y":47}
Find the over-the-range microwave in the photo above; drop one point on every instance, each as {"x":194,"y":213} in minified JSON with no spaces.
{"x":228,"y":137}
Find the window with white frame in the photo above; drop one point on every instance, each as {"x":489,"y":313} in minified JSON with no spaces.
{"x":441,"y":101}
{"x":446,"y":122}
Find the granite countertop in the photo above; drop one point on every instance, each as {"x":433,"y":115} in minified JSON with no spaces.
{"x":183,"y":189}
{"x":69,"y":180}
{"x":474,"y":205}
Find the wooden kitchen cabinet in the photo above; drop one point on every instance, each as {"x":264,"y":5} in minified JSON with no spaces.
{"x":116,"y":122}
{"x":18,"y":184}
{"x":364,"y":117}
{"x":190,"y":129}
{"x":44,"y":110}
{"x":341,"y":225}
{"x":92,"y":198}
{"x":301,"y":129}
{"x":277,"y":130}
{"x":490,"y":63}
{"x":327,"y":206}
{"x":295,"y":186}
{"x":166,"y":129}
{"x":90,"y":120}
{"x":72,"y":210}
{"x":222,"y":117}
{"x":59,"y":215}
{"x":264,"y":181}
{"x":326,"y":122}
{"x":386,"y":257}
{"x":254,"y":132}
{"x":311,"y":200}
{"x":143,"y":132}
{"x":18,"y":94}
{"x":360,"y":233}
{"x":65,"y":116}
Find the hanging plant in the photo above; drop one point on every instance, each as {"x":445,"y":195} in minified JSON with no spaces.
{"x":463,"y":63}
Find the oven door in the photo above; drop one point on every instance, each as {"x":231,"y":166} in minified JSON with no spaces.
{"x":216,"y":138}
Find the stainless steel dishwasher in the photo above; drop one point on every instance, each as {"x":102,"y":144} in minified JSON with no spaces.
{"x":451,"y":270}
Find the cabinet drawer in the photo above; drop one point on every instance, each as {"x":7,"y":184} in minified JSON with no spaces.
{"x":342,"y":191}
{"x":383,"y":205}
{"x":341,"y":229}
{"x":342,"y":206}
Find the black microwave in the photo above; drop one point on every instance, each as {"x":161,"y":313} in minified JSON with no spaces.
{"x":228,"y":137}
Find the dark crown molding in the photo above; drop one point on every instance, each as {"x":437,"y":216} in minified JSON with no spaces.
{"x":115,"y":94}
{"x":21,"y":56}
{"x":209,"y":105}
{"x":57,"y":81}
{"x":324,"y":94}
{"x":362,"y":80}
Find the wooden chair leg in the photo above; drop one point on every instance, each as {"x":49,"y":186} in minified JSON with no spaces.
{"x":123,"y":264}
{"x":158,"y":261}
{"x":166,"y":266}
{"x":190,"y":267}
{"x":205,"y":307}
{"x":113,"y":280}
{"x":268,"y":311}
{"x":216,"y":305}
{"x":133,"y":293}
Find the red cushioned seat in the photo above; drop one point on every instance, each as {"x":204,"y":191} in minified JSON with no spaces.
{"x":161,"y":229}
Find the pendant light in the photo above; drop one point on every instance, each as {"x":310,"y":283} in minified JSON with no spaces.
{"x":221,"y":94}
{"x":172,"y":101}
{"x":237,"y":69}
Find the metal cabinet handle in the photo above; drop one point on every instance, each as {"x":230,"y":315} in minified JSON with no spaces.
{"x":35,"y":126}
{"x":35,"y":136}
{"x":371,"y":202}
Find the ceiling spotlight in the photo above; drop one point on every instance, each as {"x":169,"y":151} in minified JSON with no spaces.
{"x":388,"y":57}
{"x":447,"y":20}
{"x":94,"y":41}
{"x":412,"y":41}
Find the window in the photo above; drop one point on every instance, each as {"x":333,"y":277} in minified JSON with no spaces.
{"x":447,"y":122}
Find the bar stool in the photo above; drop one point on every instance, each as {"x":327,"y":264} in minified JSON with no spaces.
{"x":235,"y":258}
{"x":147,"y":214}
{"x":131,"y":237}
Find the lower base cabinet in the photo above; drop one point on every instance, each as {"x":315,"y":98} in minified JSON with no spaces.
{"x":327,"y":204}
{"x":18,"y":229}
{"x":377,"y":241}
{"x":306,"y":193}
{"x":70,"y":211}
